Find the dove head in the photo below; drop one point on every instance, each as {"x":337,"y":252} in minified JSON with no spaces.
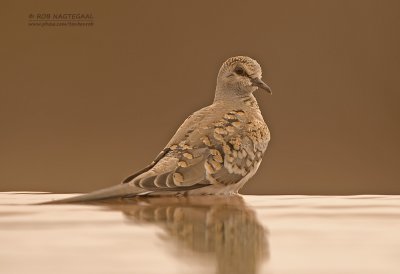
{"x":239,"y":76}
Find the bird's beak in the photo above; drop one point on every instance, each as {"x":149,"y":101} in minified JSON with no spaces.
{"x":260,"y":84}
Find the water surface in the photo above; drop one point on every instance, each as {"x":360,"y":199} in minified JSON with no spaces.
{"x":248,"y":234}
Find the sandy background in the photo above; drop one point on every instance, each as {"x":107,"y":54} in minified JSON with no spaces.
{"x":83,"y":107}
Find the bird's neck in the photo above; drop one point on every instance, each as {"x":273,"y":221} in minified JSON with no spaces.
{"x":238,"y":98}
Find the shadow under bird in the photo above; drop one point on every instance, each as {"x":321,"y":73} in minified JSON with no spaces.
{"x":215,"y":151}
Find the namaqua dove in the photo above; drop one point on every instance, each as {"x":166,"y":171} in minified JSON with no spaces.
{"x":215,"y":151}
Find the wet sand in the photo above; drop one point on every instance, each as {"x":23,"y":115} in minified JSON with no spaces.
{"x":248,"y":234}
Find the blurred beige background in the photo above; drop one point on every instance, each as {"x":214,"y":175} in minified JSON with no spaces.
{"x":83,"y":107}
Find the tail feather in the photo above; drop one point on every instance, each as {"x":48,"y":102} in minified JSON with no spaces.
{"x":117,"y":191}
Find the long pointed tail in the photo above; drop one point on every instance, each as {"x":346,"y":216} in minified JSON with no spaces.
{"x":117,"y":191}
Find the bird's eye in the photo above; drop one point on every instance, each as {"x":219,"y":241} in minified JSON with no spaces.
{"x":239,"y":71}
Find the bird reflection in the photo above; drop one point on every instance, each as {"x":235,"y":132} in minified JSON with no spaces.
{"x":221,"y":228}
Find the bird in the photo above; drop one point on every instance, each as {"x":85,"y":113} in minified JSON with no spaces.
{"x":215,"y":151}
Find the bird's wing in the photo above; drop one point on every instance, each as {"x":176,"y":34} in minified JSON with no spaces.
{"x":186,"y":128}
{"x":147,"y":168}
{"x":209,"y":148}
{"x":179,"y":170}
